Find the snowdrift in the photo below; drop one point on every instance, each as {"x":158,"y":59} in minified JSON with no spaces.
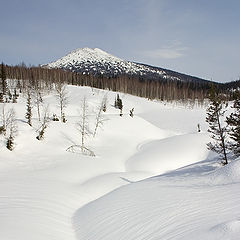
{"x":152,"y":209}
{"x":164,"y":155}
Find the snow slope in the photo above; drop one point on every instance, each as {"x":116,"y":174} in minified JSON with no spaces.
{"x":45,"y":191}
{"x":166,"y":207}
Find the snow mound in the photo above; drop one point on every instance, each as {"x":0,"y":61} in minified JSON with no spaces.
{"x":230,"y":173}
{"x":152,"y":209}
{"x":159,"y":156}
{"x":227,"y":230}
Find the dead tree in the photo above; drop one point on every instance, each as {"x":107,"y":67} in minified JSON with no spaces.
{"x":12,"y":129}
{"x":99,"y":116}
{"x":83,"y":128}
{"x":38,"y":102}
{"x":5,"y":117}
{"x":62,"y":96}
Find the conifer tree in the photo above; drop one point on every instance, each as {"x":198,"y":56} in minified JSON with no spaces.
{"x":29,"y":108}
{"x":3,"y":80}
{"x":234,"y":123}
{"x":215,"y":114}
{"x":1,"y":97}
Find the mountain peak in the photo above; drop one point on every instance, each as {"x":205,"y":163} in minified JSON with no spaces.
{"x":96,"y":61}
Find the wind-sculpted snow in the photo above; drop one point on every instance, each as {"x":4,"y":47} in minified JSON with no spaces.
{"x":171,"y":206}
{"x":96,"y":61}
{"x":160,"y":156}
{"x":45,"y":191}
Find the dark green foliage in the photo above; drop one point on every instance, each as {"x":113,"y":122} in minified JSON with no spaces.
{"x":2,"y":130}
{"x":15,"y":96}
{"x":64,"y":120}
{"x":234,"y":124}
{"x":1,"y":97}
{"x":29,"y":109}
{"x":198,"y":126}
{"x":55,"y":118}
{"x":3,"y":79}
{"x":215,"y":113}
{"x":119,"y":102}
{"x":131,"y":112}
{"x":104,"y":108}
{"x":10,"y":143}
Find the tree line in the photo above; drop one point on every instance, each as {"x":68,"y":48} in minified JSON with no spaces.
{"x":164,"y":89}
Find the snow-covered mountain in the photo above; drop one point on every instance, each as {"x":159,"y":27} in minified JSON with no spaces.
{"x":97,"y":61}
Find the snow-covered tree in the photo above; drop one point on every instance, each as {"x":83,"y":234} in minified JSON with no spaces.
{"x":215,"y":115}
{"x":234,"y":124}
{"x":44,"y":124}
{"x":5,"y":119}
{"x":99,"y":116}
{"x":38,"y":101}
{"x":62,"y":96}
{"x":12,"y":129}
{"x":83,"y":128}
{"x":104,"y":103}
{"x":83,"y":124}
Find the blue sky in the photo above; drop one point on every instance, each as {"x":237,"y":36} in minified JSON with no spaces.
{"x":197,"y":37}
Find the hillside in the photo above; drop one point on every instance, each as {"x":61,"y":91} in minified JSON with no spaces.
{"x":45,"y":191}
{"x":98,"y":62}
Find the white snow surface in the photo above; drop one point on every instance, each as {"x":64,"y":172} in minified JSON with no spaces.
{"x":152,"y":177}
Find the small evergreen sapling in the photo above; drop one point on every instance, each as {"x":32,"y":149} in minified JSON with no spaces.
{"x":131,"y":112}
{"x":29,"y":108}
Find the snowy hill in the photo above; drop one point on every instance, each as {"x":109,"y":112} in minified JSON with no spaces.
{"x":97,"y":61}
{"x":49,"y":193}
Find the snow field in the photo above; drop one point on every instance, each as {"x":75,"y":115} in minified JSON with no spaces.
{"x":43,"y":187}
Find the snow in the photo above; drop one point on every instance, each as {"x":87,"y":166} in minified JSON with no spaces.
{"x":152,"y":176}
{"x":96,"y":60}
{"x":177,"y":205}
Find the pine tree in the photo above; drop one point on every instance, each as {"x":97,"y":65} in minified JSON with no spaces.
{"x":1,"y":97}
{"x":3,"y":80}
{"x":215,"y":113}
{"x":29,"y":108}
{"x":234,"y":124}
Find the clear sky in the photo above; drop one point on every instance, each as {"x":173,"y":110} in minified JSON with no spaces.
{"x":197,"y":37}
